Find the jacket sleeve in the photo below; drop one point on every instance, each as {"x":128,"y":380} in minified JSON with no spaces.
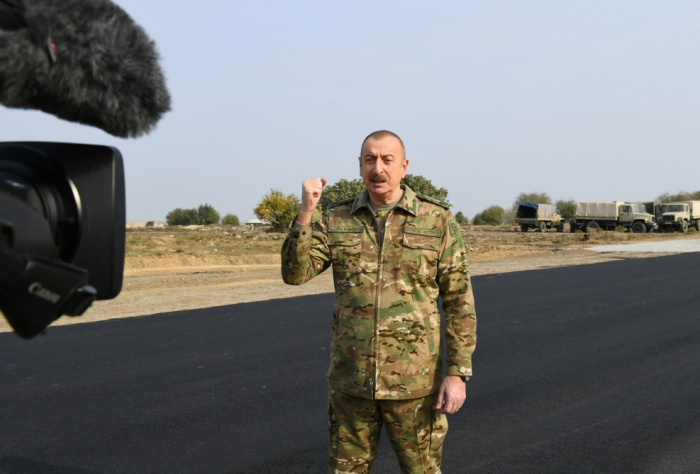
{"x":305,"y":252}
{"x":457,"y":301}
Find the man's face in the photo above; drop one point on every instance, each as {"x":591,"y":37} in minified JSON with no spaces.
{"x":382,"y":167}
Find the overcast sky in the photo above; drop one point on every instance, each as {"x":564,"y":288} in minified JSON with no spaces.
{"x":590,"y":100}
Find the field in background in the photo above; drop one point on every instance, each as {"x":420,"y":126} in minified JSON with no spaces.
{"x":213,"y":243}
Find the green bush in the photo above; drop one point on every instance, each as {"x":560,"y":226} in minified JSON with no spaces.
{"x":343,"y":189}
{"x":424,"y":186}
{"x":208,"y":215}
{"x":203,"y":215}
{"x":681,"y":196}
{"x":230,"y":219}
{"x":278,"y":209}
{"x":182,"y":217}
{"x":461,"y":218}
{"x":490,"y":216}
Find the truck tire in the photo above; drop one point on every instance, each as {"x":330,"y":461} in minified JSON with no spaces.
{"x":697,"y":225}
{"x":683,"y":227}
{"x":591,"y":225}
{"x":543,"y":227}
{"x":560,"y":227}
{"x":524,"y":227}
{"x":572,"y":226}
{"x":639,"y":228}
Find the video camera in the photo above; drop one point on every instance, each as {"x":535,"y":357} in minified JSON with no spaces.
{"x":62,"y":207}
{"x":62,"y":230}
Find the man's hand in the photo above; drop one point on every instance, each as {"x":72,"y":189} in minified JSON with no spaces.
{"x":453,"y":392}
{"x":311,"y":190}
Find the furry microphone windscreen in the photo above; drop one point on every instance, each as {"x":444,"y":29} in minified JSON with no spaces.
{"x":85,"y":61}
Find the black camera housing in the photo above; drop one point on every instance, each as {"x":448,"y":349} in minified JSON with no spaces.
{"x":61,"y":205}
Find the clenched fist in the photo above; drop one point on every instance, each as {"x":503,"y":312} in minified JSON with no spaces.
{"x":311,"y":191}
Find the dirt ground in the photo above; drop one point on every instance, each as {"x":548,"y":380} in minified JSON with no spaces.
{"x":180,"y":269}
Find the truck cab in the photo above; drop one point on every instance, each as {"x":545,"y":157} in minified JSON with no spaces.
{"x":676,"y":216}
{"x":634,"y":215}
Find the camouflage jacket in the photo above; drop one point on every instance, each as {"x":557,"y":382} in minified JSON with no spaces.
{"x":386,"y":334}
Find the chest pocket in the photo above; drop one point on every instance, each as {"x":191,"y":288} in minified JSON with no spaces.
{"x":345,"y":245}
{"x":421,"y":248}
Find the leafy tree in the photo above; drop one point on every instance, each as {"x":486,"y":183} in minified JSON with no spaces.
{"x":681,"y":196}
{"x":423,"y":186}
{"x":461,"y":218}
{"x":230,"y":219}
{"x":343,"y":189}
{"x":538,"y":198}
{"x":208,"y":215}
{"x":278,"y":209}
{"x":490,"y":216}
{"x":182,"y":217}
{"x":566,"y":208}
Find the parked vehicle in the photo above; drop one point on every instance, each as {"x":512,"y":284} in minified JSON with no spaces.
{"x":607,"y":215}
{"x":655,"y":208}
{"x":680,"y":216}
{"x":531,"y":215}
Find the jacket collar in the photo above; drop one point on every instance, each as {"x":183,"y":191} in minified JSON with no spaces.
{"x":408,"y":202}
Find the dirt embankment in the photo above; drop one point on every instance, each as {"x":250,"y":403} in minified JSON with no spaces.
{"x":168,"y":270}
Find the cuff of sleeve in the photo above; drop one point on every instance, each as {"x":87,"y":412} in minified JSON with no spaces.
{"x":299,"y":231}
{"x":460,"y":370}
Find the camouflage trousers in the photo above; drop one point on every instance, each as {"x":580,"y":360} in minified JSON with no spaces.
{"x":415,"y":430}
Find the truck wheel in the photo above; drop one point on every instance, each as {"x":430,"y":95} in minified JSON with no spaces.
{"x":683,"y":227}
{"x":543,"y":226}
{"x":572,"y":227}
{"x":560,"y":227}
{"x":592,"y":225}
{"x":697,"y":225}
{"x":639,"y":228}
{"x":524,"y":227}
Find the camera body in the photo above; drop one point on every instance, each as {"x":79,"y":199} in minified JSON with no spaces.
{"x":62,"y":228}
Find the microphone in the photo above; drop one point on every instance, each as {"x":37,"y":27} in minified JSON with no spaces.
{"x":84,"y":61}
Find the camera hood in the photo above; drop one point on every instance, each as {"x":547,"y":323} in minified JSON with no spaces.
{"x":77,"y":191}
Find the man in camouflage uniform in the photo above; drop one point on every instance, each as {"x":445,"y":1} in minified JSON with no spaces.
{"x":393,"y":253}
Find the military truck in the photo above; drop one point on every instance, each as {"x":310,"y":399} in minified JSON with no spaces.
{"x":655,"y":208}
{"x":531,"y":215}
{"x":607,"y":215}
{"x":680,"y":216}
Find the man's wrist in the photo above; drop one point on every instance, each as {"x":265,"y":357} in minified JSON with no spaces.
{"x":304,"y":217}
{"x":464,"y":378}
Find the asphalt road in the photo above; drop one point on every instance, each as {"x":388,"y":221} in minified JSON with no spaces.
{"x":588,"y":369}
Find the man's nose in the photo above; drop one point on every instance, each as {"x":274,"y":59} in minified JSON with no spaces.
{"x":378,"y":166}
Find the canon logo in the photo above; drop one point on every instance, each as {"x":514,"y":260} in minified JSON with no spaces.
{"x":37,"y":290}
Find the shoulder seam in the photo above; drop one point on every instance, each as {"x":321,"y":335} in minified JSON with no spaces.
{"x":443,"y":204}
{"x":342,"y":201}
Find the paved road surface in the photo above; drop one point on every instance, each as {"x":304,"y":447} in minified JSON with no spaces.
{"x":589,"y":369}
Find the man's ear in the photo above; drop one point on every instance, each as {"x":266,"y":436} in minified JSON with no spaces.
{"x":359,"y":162}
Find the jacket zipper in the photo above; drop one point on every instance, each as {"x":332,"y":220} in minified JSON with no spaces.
{"x":378,"y":300}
